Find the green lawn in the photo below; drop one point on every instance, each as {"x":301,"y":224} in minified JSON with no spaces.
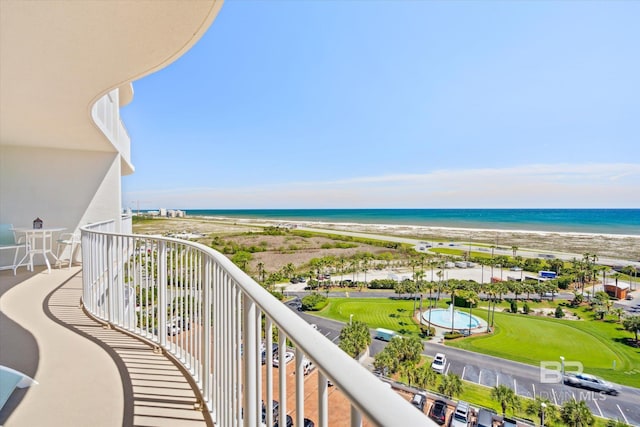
{"x":527,"y":339}
{"x":375,"y":312}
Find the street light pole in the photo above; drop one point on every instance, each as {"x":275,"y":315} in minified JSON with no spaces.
{"x":543,"y":407}
{"x":350,"y":319}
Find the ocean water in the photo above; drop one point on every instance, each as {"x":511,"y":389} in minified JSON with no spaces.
{"x":601,"y":221}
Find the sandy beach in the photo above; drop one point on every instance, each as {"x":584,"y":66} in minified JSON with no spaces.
{"x":605,"y":246}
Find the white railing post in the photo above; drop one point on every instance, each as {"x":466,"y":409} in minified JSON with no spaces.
{"x":250,"y":371}
{"x":282,"y":373}
{"x":299,"y":388}
{"x":162,"y":292}
{"x":111,"y":292}
{"x":356,"y":417}
{"x":206,"y":336}
{"x":268,"y":352}
{"x":323,"y":399}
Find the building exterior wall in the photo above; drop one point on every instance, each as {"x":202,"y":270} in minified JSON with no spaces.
{"x":65,"y":188}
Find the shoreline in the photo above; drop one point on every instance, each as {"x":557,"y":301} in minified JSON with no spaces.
{"x":320,"y":224}
{"x":605,"y":246}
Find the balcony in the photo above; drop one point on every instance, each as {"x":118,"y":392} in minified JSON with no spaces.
{"x":101,"y":348}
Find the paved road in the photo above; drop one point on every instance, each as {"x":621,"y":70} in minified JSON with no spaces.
{"x":525,"y":379}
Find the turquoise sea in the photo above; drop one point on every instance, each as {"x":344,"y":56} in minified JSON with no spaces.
{"x":600,"y":221}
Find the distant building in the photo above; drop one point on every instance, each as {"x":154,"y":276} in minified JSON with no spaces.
{"x":617,"y":290}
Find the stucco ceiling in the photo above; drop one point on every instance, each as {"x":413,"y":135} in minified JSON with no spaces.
{"x":58,"y":57}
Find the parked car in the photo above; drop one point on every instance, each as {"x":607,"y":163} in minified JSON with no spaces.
{"x":289,"y":422}
{"x":418,"y":400}
{"x":288,"y":357}
{"x":508,"y":422}
{"x":308,"y":423}
{"x":485,"y":418}
{"x":438,"y":412}
{"x":174,"y":328}
{"x":439,"y":363}
{"x":275,"y":406}
{"x":629,"y":297}
{"x":461,"y":415}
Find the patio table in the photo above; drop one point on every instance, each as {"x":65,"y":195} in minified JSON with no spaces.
{"x":39,"y":241}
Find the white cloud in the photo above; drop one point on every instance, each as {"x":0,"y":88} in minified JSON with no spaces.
{"x":543,"y":186}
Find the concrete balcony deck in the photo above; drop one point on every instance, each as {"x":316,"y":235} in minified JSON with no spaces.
{"x":87,"y":375}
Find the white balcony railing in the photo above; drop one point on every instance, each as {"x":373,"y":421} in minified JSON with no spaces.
{"x":152,"y":287}
{"x":106,"y":114}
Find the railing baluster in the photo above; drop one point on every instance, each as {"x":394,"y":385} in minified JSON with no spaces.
{"x":248,"y":339}
{"x":323,"y":400}
{"x":356,"y":417}
{"x":299,"y":387}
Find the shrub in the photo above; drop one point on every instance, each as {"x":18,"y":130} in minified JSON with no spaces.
{"x":452,"y":335}
{"x":525,"y":308}
{"x":314,"y":302}
{"x":382,"y":284}
{"x":427,"y":331}
{"x":514,"y":306}
{"x":559,"y":313}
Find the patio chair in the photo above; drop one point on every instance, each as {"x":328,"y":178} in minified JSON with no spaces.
{"x":10,"y":379}
{"x":9,"y":242}
{"x":70,"y":241}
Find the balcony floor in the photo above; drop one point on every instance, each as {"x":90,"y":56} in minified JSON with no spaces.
{"x":87,"y":375}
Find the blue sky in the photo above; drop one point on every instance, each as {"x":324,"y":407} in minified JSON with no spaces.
{"x":395,"y":104}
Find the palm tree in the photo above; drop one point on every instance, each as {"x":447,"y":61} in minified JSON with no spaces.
{"x":618,"y":312}
{"x":576,"y":414}
{"x":353,"y":265}
{"x":452,"y":287}
{"x":515,"y":250}
{"x":543,"y":408}
{"x":261,"y":271}
{"x":430,"y":286}
{"x":439,"y":274}
{"x":491,"y":293}
{"x":506,"y":397}
{"x":417,"y":276}
{"x":472,"y":299}
{"x":426,"y":377}
{"x":632,"y":324}
{"x":450,"y":386}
